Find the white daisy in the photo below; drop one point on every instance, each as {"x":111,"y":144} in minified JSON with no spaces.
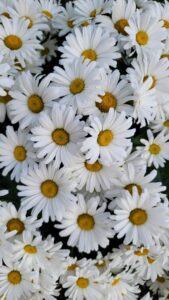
{"x":17,"y":42}
{"x":50,"y":10}
{"x":16,"y":154}
{"x":89,"y":9}
{"x":30,"y":96}
{"x":108,"y":138}
{"x":77,"y":83}
{"x":161,"y":124}
{"x":155,"y":150}
{"x":49,"y":48}
{"x":88,"y":225}
{"x":160,"y":285}
{"x":58,"y":139}
{"x":138,"y":219}
{"x":46,"y":190}
{"x":91,"y":43}
{"x":65,"y":19}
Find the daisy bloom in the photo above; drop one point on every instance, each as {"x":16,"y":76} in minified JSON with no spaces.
{"x":50,"y":10}
{"x":49,"y":49}
{"x":161,"y":124}
{"x":108,"y":138}
{"x":88,"y":225}
{"x":155,"y":150}
{"x":160,"y":285}
{"x":30,"y":96}
{"x":65,"y":19}
{"x":91,"y":43}
{"x":89,"y":9}
{"x":16,"y":154}
{"x":139,"y":219}
{"x":46,"y":190}
{"x":58,"y":138}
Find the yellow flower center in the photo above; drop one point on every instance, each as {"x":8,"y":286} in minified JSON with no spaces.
{"x":77,"y":86}
{"x":14,"y":277}
{"x":153,"y":83}
{"x":166,"y":123}
{"x":166,"y":23}
{"x":13,"y":42}
{"x":120,"y":26}
{"x":45,"y":51}
{"x":85,"y":24}
{"x":89,"y":54}
{"x":30,"y":22}
{"x":60,"y":136}
{"x":108,"y":101}
{"x":93,"y":13}
{"x":6,"y":14}
{"x":130,"y":186}
{"x":30,"y":249}
{"x":82,"y":282}
{"x":85,"y":222}
{"x":15,"y":224}
{"x":160,"y":279}
{"x":72,"y":267}
{"x":105,"y":137}
{"x":5,"y":99}
{"x":142,"y":38}
{"x":138,"y":216}
{"x":154,"y":149}
{"x":49,"y":188}
{"x":20,"y":153}
{"x":142,"y":252}
{"x":70,"y":23}
{"x":96,"y":167}
{"x":151,"y":260}
{"x":165,"y":56}
{"x":35,"y":104}
{"x":47,"y":13}
{"x":100,"y":264}
{"x":115,"y":281}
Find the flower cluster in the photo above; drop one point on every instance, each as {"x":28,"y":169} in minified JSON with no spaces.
{"x":84,"y":121}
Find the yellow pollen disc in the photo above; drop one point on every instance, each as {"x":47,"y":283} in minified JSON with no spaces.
{"x":138,"y":216}
{"x":89,"y":54}
{"x":72,"y":267}
{"x":154,"y":149}
{"x":115,"y":281}
{"x":13,"y":42}
{"x":30,"y":22}
{"x":45,"y":51}
{"x":60,"y":136}
{"x":142,"y":38}
{"x":142,"y":252}
{"x":70,"y":23}
{"x":85,"y":24}
{"x":100,"y":264}
{"x":77,"y":86}
{"x":49,"y":188}
{"x":35,"y":104}
{"x":151,"y":260}
{"x":47,"y":14}
{"x":14,"y":277}
{"x":166,"y":23}
{"x":130,"y":186}
{"x":93,"y":13}
{"x":30,"y":249}
{"x":85,"y":222}
{"x":120,"y":26}
{"x":160,"y":279}
{"x":108,"y":101}
{"x":166,"y":123}
{"x":15,"y":224}
{"x":6,"y":14}
{"x":82,"y":282}
{"x":153,"y":83}
{"x":5,"y":99}
{"x":20,"y":153}
{"x":165,"y":56}
{"x":96,"y":167}
{"x":105,"y":137}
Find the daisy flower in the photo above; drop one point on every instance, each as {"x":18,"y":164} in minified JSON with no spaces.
{"x":4,"y":8}
{"x":144,"y":33}
{"x":160,"y":285}
{"x":138,"y":219}
{"x":84,"y":284}
{"x":16,"y":154}
{"x":108,"y":138}
{"x":117,"y":95}
{"x":65,"y":19}
{"x":155,"y":150}
{"x":91,"y":43}
{"x":161,"y":124}
{"x":50,"y":10}
{"x":16,"y":281}
{"x":77,"y":83}
{"x":89,"y":9}
{"x":17,"y":42}
{"x":58,"y":139}
{"x":49,"y":48}
{"x":87,"y":225}
{"x":46,"y":190}
{"x":30,"y":96}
